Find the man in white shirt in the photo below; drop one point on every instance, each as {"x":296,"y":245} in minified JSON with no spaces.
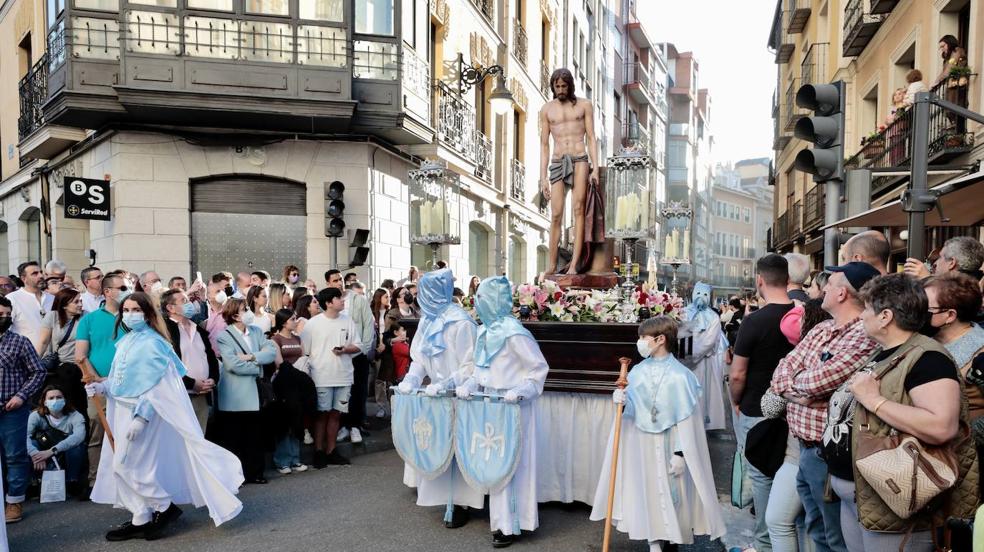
{"x":28,"y":312}
{"x":330,"y":340}
{"x":92,"y":296}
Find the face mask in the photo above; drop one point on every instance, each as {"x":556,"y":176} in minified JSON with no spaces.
{"x":229,"y":291}
{"x":929,"y":330}
{"x":134,"y":320}
{"x":189,"y":309}
{"x":248,"y":318}
{"x":156,"y":287}
{"x":55,"y":405}
{"x":643,"y":347}
{"x":220,"y":297}
{"x":5,"y":324}
{"x":294,"y":279}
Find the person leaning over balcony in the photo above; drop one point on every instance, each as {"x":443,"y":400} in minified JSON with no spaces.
{"x":953,"y":56}
{"x":915,"y":85}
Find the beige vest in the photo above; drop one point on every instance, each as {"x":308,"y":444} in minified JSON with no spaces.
{"x":961,"y":500}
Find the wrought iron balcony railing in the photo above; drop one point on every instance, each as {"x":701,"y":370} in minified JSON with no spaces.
{"x":636,"y":135}
{"x":545,"y":81}
{"x":483,"y":156}
{"x":33,"y":90}
{"x":517,"y":190}
{"x":455,"y":121}
{"x":793,"y":113}
{"x":486,"y":8}
{"x":814,"y":64}
{"x":813,"y":208}
{"x":796,"y":219}
{"x":859,"y":26}
{"x":519,"y":41}
{"x":637,"y":73}
{"x":797,"y":14}
{"x":780,"y":231}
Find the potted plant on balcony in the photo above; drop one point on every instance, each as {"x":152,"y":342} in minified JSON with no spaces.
{"x":959,"y":76}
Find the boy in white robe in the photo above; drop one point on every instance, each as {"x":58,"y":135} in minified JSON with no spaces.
{"x":442,"y":351}
{"x":508,"y":362}
{"x":664,"y":488}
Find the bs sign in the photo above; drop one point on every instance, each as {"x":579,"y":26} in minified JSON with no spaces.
{"x":86,"y":198}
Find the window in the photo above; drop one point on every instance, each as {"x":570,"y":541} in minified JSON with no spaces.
{"x":158,"y":3}
{"x":374,"y":17}
{"x":268,"y":7}
{"x":746,"y":214}
{"x":218,"y":5}
{"x":323,"y":46}
{"x":478,"y":250}
{"x":105,"y":5}
{"x":323,"y":10}
{"x":55,"y":8}
{"x":517,"y":260}
{"x":375,"y":60}
{"x":265,"y":41}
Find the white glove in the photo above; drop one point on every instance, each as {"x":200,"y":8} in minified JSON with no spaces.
{"x":95,"y":388}
{"x":465,"y":390}
{"x":136,"y":428}
{"x":405,"y":387}
{"x":677,"y":465}
{"x":434,"y":390}
{"x":511,"y":396}
{"x":524,"y":390}
{"x":618,"y":396}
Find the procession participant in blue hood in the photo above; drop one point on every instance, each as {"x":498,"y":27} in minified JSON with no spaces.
{"x":508,"y":362}
{"x":707,"y":358}
{"x":161,"y":458}
{"x":664,"y":487}
{"x":442,"y":349}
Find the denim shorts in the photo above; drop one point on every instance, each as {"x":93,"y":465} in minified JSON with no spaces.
{"x":334,"y":398}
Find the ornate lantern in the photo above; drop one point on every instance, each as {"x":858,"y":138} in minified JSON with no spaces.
{"x":434,"y":193}
{"x":628,"y":198}
{"x":676,"y":243}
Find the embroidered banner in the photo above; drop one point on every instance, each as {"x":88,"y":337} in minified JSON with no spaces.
{"x":487,"y":442}
{"x":422,"y":432}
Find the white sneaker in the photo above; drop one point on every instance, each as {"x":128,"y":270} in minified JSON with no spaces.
{"x":356,"y":435}
{"x":381,"y":412}
{"x":343,"y":435}
{"x":284,"y":470}
{"x":308,"y":440}
{"x":299,"y":468}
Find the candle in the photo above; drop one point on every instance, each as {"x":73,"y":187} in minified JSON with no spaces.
{"x":668,"y":246}
{"x":686,"y":244}
{"x":423,"y":214}
{"x":437,"y":214}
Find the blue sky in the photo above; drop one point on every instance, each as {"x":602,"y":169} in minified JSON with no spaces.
{"x":728,"y":38}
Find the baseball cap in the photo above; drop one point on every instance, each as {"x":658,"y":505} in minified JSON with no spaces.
{"x":857,"y":273}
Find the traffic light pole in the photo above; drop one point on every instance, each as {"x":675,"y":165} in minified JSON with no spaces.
{"x":831,"y":213}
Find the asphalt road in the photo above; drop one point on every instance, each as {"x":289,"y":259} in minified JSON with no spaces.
{"x":351,"y":508}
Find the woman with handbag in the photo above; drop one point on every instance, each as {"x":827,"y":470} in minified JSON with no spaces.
{"x":244,"y":351}
{"x":896,"y":443}
{"x":56,"y":430}
{"x":57,"y":347}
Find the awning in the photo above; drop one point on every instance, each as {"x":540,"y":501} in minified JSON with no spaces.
{"x":960,"y":198}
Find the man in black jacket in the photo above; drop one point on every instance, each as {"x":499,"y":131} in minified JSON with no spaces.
{"x":191,"y":344}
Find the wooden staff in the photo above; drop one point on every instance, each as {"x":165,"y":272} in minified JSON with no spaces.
{"x":621,"y":383}
{"x":92,"y":376}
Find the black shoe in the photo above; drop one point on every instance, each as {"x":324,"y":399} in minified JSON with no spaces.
{"x":336,"y":459}
{"x":459,"y":517}
{"x":257,"y":480}
{"x":162,"y":520}
{"x":320,"y":460}
{"x":501,"y":541}
{"x":129,"y":531}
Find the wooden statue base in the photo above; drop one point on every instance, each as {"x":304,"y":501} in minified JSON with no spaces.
{"x":606,"y":280}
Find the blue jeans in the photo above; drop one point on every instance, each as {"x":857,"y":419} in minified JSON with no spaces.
{"x":785,"y":518}
{"x":73,"y":462}
{"x":287,"y":453}
{"x":822,"y":518}
{"x":13,"y":446}
{"x":761,"y":485}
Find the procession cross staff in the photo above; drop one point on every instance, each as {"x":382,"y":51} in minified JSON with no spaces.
{"x":621,"y":383}
{"x":92,"y":376}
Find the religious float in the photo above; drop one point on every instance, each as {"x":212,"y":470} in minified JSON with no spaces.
{"x":584,"y":322}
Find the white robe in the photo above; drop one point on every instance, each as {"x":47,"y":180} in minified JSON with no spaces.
{"x":520,"y":362}
{"x":707,"y":363}
{"x":457,"y":361}
{"x":170,"y":461}
{"x":644,"y":503}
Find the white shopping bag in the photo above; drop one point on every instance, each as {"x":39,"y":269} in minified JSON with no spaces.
{"x":53,"y":484}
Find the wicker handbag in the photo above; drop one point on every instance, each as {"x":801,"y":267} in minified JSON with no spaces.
{"x":905,"y":473}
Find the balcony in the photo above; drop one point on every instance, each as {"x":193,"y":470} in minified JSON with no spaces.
{"x":517,"y":189}
{"x":882,"y":6}
{"x":784,"y":42}
{"x":483,"y":156}
{"x":860,"y":25}
{"x":454,"y":121}
{"x":519,"y":41}
{"x":545,"y":81}
{"x":36,"y":138}
{"x":891,"y":148}
{"x":781,"y":137}
{"x":638,"y":35}
{"x":486,"y":8}
{"x":796,"y":220}
{"x":636,"y":135}
{"x":638,"y":83}
{"x":780,"y":232}
{"x":792,"y":112}
{"x":813,"y":68}
{"x":797,"y":14}
{"x":813,"y":208}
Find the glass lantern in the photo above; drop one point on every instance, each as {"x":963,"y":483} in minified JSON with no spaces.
{"x":434,"y":192}
{"x":676,"y":241}
{"x":628,"y":196}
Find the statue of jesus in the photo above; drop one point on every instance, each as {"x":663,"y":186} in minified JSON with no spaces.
{"x":571,"y":123}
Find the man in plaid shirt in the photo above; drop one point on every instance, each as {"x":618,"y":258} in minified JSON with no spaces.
{"x":825,"y":358}
{"x":21,"y":376}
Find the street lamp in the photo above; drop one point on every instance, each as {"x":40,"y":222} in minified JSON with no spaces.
{"x":501,"y":98}
{"x":434,"y":190}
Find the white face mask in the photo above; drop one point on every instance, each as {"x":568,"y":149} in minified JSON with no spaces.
{"x":248,"y":318}
{"x":220,"y":297}
{"x":643,"y":347}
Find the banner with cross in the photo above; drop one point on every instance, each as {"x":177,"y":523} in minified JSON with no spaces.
{"x":487,"y":442}
{"x":422,"y":432}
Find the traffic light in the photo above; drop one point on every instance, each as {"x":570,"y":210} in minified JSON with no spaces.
{"x":334,"y":209}
{"x":825,"y":129}
{"x":361,"y":251}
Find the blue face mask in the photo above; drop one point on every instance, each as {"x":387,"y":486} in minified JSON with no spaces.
{"x":189,"y":309}
{"x":122,"y":296}
{"x":55,"y":405}
{"x":134,"y":320}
